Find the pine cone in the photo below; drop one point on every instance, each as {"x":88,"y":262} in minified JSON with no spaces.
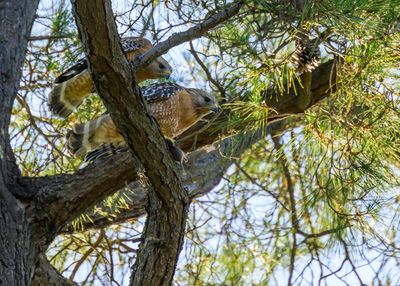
{"x":307,"y":55}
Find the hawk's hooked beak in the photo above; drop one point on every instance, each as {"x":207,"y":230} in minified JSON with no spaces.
{"x":215,"y":109}
{"x":168,"y":73}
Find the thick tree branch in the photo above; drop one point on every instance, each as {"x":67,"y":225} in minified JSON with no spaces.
{"x":203,"y":171}
{"x":297,"y":99}
{"x":113,"y":79}
{"x":294,"y":100}
{"x":47,"y":275}
{"x":168,"y":202}
{"x":50,"y":37}
{"x":59,"y":199}
{"x":18,"y":248}
{"x":15,"y":24}
{"x":190,"y":34}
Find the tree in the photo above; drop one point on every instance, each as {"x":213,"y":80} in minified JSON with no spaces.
{"x":308,"y":160}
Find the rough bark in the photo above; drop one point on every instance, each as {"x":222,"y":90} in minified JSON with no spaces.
{"x":202,"y":172}
{"x":15,"y":23}
{"x":47,"y":275}
{"x":18,"y":245}
{"x":168,"y":203}
{"x":59,"y":199}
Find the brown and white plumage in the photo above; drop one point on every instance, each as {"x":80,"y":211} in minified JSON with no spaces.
{"x":175,"y":108}
{"x":73,"y":85}
{"x":107,"y":150}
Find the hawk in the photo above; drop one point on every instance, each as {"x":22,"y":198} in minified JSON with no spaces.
{"x":174,"y":107}
{"x":73,"y":85}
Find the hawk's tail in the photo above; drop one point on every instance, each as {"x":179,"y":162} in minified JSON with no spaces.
{"x":67,"y":95}
{"x":107,"y":150}
{"x":86,"y":137}
{"x":103,"y":151}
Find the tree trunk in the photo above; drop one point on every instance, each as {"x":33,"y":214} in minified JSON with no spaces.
{"x":18,"y":254}
{"x":162,"y":241}
{"x":18,"y":251}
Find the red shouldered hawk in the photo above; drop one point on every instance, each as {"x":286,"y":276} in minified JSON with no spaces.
{"x":175,"y":108}
{"x":72,"y":86}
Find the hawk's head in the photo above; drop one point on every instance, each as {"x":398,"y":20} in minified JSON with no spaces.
{"x":135,"y":46}
{"x":203,"y":101}
{"x":159,"y":68}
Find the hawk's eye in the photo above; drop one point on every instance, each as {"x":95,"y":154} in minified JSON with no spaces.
{"x":207,"y":99}
{"x":161,"y":66}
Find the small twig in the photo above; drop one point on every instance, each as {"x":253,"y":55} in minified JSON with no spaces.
{"x":206,"y":70}
{"x":293,"y":216}
{"x":253,"y":181}
{"x":87,"y":253}
{"x":190,"y":34}
{"x":50,"y":37}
